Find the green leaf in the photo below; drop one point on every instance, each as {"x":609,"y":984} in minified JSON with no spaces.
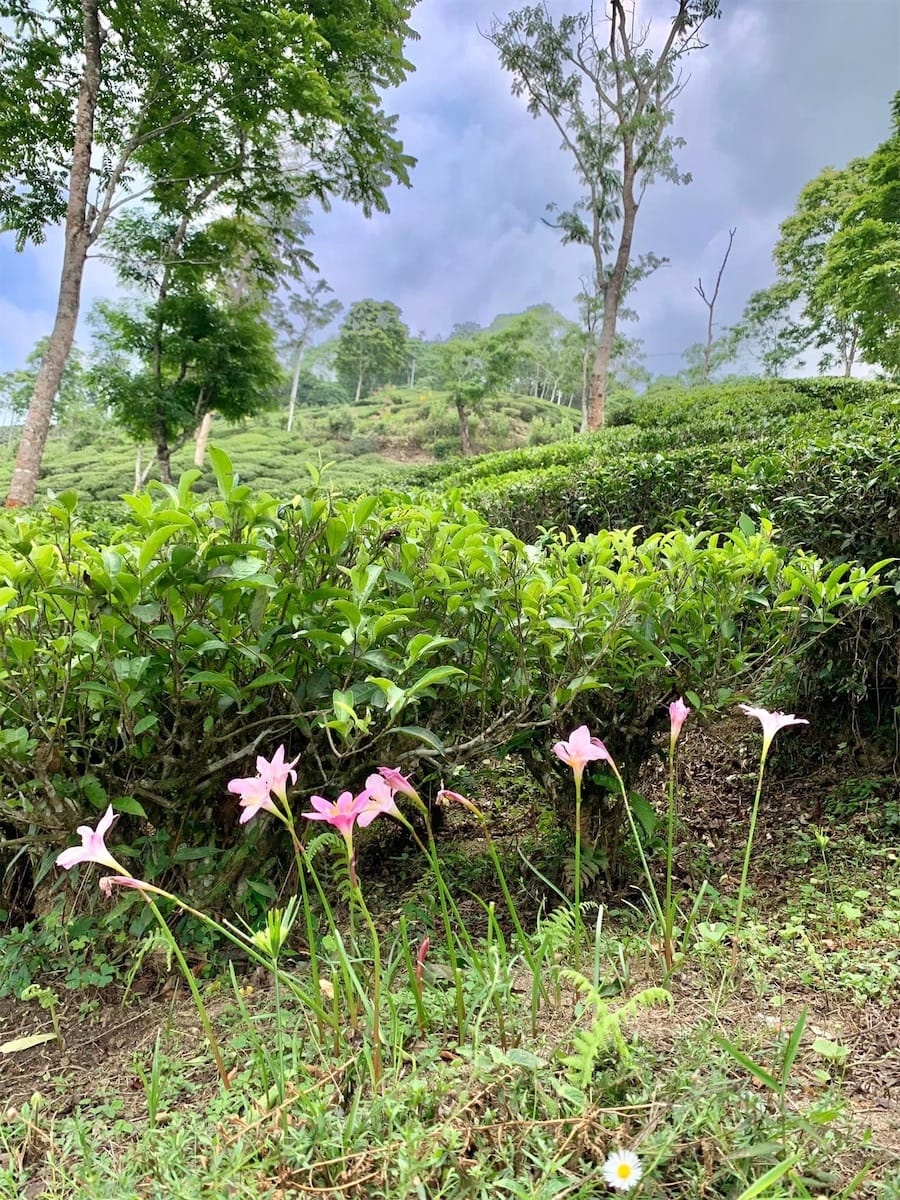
{"x":423,"y":735}
{"x":762,"y":1185}
{"x":759,"y":1073}
{"x":645,"y":813}
{"x":433,"y":676}
{"x":128,"y":804}
{"x":154,"y":542}
{"x":222,"y":469}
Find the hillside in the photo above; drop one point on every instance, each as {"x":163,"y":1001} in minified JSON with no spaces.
{"x":364,"y":444}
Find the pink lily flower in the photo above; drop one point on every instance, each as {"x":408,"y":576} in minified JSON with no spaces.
{"x":771,"y":722}
{"x":342,"y":814}
{"x":255,"y":794}
{"x":420,"y":960}
{"x":394,"y":779}
{"x":379,"y":799}
{"x":93,"y":847}
{"x":277,"y":772}
{"x":458,"y":798}
{"x":127,"y":881}
{"x":678,"y":714}
{"x":581,"y":749}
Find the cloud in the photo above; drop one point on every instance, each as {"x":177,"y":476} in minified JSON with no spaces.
{"x":781,"y":90}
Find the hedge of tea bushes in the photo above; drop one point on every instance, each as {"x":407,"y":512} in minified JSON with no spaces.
{"x":148,"y":669}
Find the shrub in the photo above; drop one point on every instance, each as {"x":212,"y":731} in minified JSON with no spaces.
{"x":148,"y":670}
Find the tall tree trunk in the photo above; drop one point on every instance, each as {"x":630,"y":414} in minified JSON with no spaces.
{"x":163,"y":452}
{"x":202,"y":438}
{"x":612,"y":295}
{"x":77,"y":234}
{"x":465,"y":440}
{"x":359,"y":386}
{"x":295,"y":382}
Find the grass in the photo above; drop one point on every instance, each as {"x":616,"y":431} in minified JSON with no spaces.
{"x":776,"y":1083}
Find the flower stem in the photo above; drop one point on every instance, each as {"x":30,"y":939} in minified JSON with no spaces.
{"x":577,"y":963}
{"x":195,"y":991}
{"x":376,"y":984}
{"x":669,"y":923}
{"x":735,"y":943}
{"x":657,"y":907}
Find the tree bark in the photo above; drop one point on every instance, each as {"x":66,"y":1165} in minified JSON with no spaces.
{"x":612,"y":295}
{"x":295,"y":381}
{"x":163,"y":453}
{"x":77,"y":240}
{"x":202,"y":438}
{"x":465,"y":440}
{"x":359,"y":382}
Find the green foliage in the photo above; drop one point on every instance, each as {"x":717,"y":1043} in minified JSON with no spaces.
{"x":187,"y":99}
{"x":415,"y":426}
{"x":801,"y":253}
{"x":371,"y":348}
{"x":169,"y":363}
{"x":476,"y":368}
{"x":143,"y":672}
{"x":862,"y":265}
{"x":604,"y":1034}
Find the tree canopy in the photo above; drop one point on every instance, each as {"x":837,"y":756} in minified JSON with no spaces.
{"x":862,"y":259}
{"x":248,"y":105}
{"x":372,"y":346}
{"x":611,"y":99}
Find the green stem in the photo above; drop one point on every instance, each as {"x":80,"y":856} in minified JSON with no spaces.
{"x":376,"y":984}
{"x":411,"y":971}
{"x":302,"y":866}
{"x":238,"y":938}
{"x":524,"y":944}
{"x":195,"y":991}
{"x":746,"y":867}
{"x":448,"y":929}
{"x":657,"y":908}
{"x":670,"y":850}
{"x":577,"y":871}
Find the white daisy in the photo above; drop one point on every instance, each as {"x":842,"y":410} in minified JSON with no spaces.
{"x":622,"y":1170}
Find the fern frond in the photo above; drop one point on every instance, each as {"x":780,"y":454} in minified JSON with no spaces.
{"x":315,"y":844}
{"x":605,"y":1031}
{"x":557,"y":930}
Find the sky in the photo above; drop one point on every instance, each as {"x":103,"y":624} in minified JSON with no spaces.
{"x":784,"y":88}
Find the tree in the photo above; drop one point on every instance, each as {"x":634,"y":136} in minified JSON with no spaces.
{"x":312,"y":311}
{"x":371,"y":345}
{"x":861,"y":273}
{"x":801,"y":254}
{"x":168,"y":364}
{"x":475,"y":368}
{"x":768,"y":331}
{"x":707,"y":364}
{"x":201,"y":341}
{"x":612,"y":102}
{"x":190,"y":99}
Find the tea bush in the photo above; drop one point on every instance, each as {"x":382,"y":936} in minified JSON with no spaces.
{"x":146,"y":669}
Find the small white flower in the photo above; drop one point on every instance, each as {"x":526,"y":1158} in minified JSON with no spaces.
{"x":622,"y":1170}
